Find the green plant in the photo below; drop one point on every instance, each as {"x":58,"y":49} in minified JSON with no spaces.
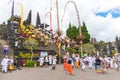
{"x":22,"y":55}
{"x":30,"y":63}
{"x":31,"y":44}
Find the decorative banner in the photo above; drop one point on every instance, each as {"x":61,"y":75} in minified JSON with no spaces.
{"x":50,"y":12}
{"x":59,"y":45}
{"x":22,"y":13}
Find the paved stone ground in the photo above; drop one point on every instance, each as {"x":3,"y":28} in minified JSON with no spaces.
{"x":58,"y":74}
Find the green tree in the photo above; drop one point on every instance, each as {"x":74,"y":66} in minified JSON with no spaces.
{"x":72,"y":32}
{"x":101,"y":43}
{"x":38,"y":22}
{"x":29,"y":18}
{"x":85,"y":33}
{"x":30,"y":44}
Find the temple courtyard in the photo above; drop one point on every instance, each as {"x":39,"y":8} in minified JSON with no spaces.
{"x":43,"y":73}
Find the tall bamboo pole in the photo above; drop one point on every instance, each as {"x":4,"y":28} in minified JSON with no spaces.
{"x":58,"y":26}
{"x":78,"y":17}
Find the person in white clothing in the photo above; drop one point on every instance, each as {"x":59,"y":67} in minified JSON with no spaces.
{"x":41,"y":61}
{"x":112,"y":62}
{"x":4,"y":64}
{"x":90,"y":62}
{"x":83,"y":64}
{"x":50,"y":59}
{"x":54,"y":61}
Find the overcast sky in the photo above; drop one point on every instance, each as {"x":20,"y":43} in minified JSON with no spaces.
{"x":102,"y":17}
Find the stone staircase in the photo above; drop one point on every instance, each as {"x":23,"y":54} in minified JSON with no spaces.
{"x":10,"y":51}
{"x":2,"y":55}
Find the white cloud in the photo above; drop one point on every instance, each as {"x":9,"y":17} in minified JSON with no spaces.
{"x":103,"y":28}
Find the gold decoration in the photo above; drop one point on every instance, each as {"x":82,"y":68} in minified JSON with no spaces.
{"x":46,"y":37}
{"x":33,"y":36}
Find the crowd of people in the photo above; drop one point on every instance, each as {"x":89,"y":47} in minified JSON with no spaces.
{"x":44,"y":61}
{"x":9,"y":63}
{"x":99,"y":63}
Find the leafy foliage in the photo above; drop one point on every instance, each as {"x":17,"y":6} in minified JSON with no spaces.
{"x":30,"y":63}
{"x":88,"y":48}
{"x":28,"y":55}
{"x":30,"y":44}
{"x":101,"y":43}
{"x":72,"y":32}
{"x":85,"y":33}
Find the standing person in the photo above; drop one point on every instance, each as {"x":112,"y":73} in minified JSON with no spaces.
{"x":68,"y":67}
{"x":65,"y":63}
{"x":103,"y":65}
{"x":98,"y":63}
{"x":15,"y":63}
{"x":54,"y":61}
{"x":11,"y":63}
{"x":116,"y":63}
{"x":23,"y":62}
{"x":41,"y":61}
{"x":83,"y":63}
{"x":94,"y":62}
{"x":50,"y":59}
{"x":77,"y":61}
{"x":46,"y":61}
{"x":4,"y":64}
{"x":90,"y":62}
{"x":5,"y":51}
{"x":111,"y":62}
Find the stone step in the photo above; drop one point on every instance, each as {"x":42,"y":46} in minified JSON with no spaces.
{"x":2,"y":55}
